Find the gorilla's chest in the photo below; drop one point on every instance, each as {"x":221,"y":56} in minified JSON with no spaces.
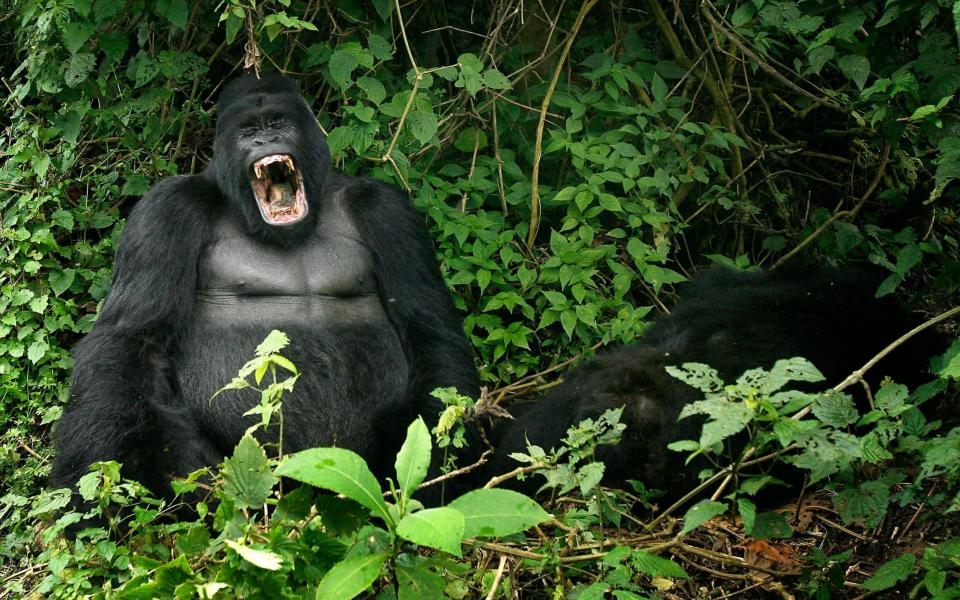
{"x":328,"y":277}
{"x":331,"y":262}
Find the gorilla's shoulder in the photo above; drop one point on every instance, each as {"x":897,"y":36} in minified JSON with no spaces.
{"x":372,"y":195}
{"x":181,"y":194}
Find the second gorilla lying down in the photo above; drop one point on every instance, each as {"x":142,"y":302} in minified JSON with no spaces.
{"x":732,"y":321}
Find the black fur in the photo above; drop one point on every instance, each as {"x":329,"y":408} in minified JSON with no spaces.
{"x":174,"y":328}
{"x":732,"y":321}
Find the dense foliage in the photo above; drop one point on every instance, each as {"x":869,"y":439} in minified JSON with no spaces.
{"x":573,"y":160}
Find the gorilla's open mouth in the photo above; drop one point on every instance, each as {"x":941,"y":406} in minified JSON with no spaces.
{"x":278,"y":188}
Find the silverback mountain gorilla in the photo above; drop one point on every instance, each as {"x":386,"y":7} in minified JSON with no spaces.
{"x":269,"y":236}
{"x":732,"y":321}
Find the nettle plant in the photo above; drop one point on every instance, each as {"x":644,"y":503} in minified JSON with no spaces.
{"x":756,"y":422}
{"x":259,"y":540}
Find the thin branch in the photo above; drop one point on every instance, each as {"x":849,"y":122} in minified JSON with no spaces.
{"x":538,"y":145}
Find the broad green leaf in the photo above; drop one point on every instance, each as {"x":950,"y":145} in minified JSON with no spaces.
{"x":37,"y":350}
{"x":891,"y":573}
{"x":258,"y":558}
{"x":247,"y":475}
{"x":342,"y":63}
{"x":80,"y":66}
{"x":493,"y":78}
{"x":656,"y":566}
{"x":440,"y":528}
{"x":416,"y":582}
{"x":75,"y":35}
{"x":835,"y":409}
{"x":351,"y":577}
{"x":374,"y":90}
{"x":423,"y":125}
{"x":413,"y":460}
{"x":338,"y":470}
{"x":700,"y":513}
{"x":496,"y":512}
{"x":856,"y":67}
{"x":273,"y":343}
{"x":174,"y":10}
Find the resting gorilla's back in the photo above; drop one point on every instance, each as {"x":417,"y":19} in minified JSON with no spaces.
{"x":268,"y":237}
{"x":732,"y":321}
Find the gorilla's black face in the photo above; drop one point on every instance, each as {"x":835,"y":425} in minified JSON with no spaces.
{"x":269,"y":157}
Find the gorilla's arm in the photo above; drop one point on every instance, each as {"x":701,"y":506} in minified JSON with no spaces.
{"x":414,"y":294}
{"x":123,"y":395}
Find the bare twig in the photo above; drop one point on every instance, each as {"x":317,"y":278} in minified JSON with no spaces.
{"x":538,"y":145}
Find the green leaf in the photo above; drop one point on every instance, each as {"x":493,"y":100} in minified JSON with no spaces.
{"x":351,"y":577}
{"x":342,"y":64}
{"x":493,"y":78}
{"x":413,"y":460}
{"x":273,"y":343}
{"x":891,"y":573}
{"x":80,"y":66}
{"x":61,"y":280}
{"x":248,"y":480}
{"x":496,"y":512}
{"x":423,"y":125}
{"x":142,"y":69}
{"x":338,"y":470}
{"x":76,"y":34}
{"x":37,"y":350}
{"x":416,"y":582}
{"x":835,"y":408}
{"x":856,"y":67}
{"x":379,"y":47}
{"x":174,"y":10}
{"x":373,"y":89}
{"x":258,"y":558}
{"x":700,"y":513}
{"x":440,"y":528}
{"x":656,"y":566}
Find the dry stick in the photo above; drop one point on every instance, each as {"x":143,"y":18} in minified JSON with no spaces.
{"x":510,"y":475}
{"x":538,"y":146}
{"x":842,"y":214}
{"x":496,"y":580}
{"x":496,"y":156}
{"x":723,"y":107}
{"x":458,"y":472}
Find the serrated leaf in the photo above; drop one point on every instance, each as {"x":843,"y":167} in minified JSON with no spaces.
{"x":891,"y":573}
{"x":416,"y":582}
{"x":835,"y":408}
{"x":76,"y":34}
{"x":413,"y":460}
{"x":351,"y":577}
{"x":37,"y":350}
{"x":856,"y":67}
{"x":273,"y":343}
{"x":656,"y":566}
{"x":700,"y":513}
{"x":174,"y":10}
{"x":263,"y":559}
{"x":423,"y":125}
{"x":80,"y":66}
{"x":373,"y":89}
{"x":496,"y":512}
{"x":338,"y":470}
{"x":440,"y":528}
{"x":247,"y":476}
{"x":342,"y":64}
{"x":493,"y":78}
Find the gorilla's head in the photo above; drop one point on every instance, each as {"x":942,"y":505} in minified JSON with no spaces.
{"x":269,"y":156}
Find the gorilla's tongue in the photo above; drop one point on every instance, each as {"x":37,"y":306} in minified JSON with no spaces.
{"x":281,"y":196}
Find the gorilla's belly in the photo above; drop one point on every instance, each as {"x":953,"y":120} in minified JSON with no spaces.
{"x":352,"y":364}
